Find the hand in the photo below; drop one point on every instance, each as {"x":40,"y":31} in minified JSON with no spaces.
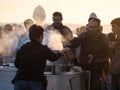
{"x":64,"y":50}
{"x":90,"y":56}
{"x":68,"y":44}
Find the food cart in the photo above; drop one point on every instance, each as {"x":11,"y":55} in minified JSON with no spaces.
{"x":60,"y":81}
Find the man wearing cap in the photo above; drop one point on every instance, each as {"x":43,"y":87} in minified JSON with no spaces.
{"x":94,"y":51}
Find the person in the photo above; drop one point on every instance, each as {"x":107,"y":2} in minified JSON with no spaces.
{"x":112,"y":40}
{"x":8,"y":42}
{"x":31,"y":61}
{"x":83,"y":28}
{"x":39,"y":15}
{"x":115,"y":62}
{"x":57,"y":35}
{"x":94,"y":51}
{"x":25,"y":37}
{"x":19,"y":30}
{"x":80,"y":30}
{"x":62,"y":29}
{"x":72,"y":58}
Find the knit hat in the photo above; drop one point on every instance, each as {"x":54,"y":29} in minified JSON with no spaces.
{"x":92,"y":15}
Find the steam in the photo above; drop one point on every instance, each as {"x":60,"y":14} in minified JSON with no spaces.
{"x":5,"y":47}
{"x":53,"y":40}
{"x":9,"y":34}
{"x":8,"y":43}
{"x":19,"y":30}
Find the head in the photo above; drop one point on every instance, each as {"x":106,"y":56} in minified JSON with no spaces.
{"x":94,"y":26}
{"x":39,"y":15}
{"x":8,"y":28}
{"x":91,"y":16}
{"x":36,"y":33}
{"x":71,"y":54}
{"x":115,"y":23}
{"x":28,"y":23}
{"x":19,"y":30}
{"x":57,"y":18}
{"x":80,"y":30}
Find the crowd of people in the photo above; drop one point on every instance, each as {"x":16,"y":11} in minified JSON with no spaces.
{"x":91,"y":49}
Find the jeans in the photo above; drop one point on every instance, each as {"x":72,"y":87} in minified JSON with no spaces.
{"x":28,"y":85}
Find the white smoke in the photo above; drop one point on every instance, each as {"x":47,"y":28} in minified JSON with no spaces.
{"x":53,"y":40}
{"x":19,"y":30}
{"x":8,"y":44}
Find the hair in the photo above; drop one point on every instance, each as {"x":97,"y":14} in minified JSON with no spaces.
{"x":28,"y":22}
{"x":80,"y":30}
{"x":8,"y":27}
{"x":116,"y":21}
{"x":57,"y":14}
{"x":96,"y":19}
{"x":35,"y":32}
{"x":111,"y":36}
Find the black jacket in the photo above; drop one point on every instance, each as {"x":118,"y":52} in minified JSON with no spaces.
{"x":31,"y":61}
{"x":97,"y":46}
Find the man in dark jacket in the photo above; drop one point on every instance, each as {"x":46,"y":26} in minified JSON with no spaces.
{"x":62,"y":34}
{"x":94,"y":51}
{"x":115,"y":64}
{"x":31,"y":62}
{"x":58,"y":25}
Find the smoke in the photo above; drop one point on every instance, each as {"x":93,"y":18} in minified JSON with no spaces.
{"x":53,"y":40}
{"x":19,"y":30}
{"x":5,"y":45}
{"x":8,"y":43}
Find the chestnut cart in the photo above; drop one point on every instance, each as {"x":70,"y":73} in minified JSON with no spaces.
{"x":60,"y":81}
{"x":69,"y":81}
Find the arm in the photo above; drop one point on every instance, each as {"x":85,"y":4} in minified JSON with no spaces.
{"x":17,"y":60}
{"x":51,"y":55}
{"x":76,"y":42}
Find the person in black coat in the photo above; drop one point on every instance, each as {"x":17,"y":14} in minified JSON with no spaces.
{"x":31,"y":62}
{"x":94,"y":51}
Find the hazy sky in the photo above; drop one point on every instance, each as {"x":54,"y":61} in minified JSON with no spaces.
{"x":74,"y":11}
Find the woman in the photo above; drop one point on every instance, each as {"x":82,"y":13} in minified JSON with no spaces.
{"x":31,"y":62}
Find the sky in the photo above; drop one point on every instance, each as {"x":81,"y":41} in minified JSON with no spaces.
{"x":74,"y":11}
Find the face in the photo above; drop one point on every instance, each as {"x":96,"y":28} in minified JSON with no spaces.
{"x":71,"y":55}
{"x":93,"y":27}
{"x":57,"y":20}
{"x":116,"y":29}
{"x":41,"y":38}
{"x":28,"y":26}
